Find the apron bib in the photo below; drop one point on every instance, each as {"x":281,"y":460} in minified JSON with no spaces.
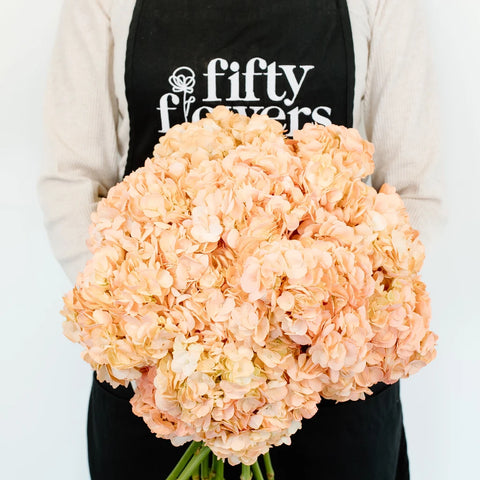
{"x":293,"y":61}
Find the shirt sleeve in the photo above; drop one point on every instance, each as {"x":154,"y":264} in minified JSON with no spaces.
{"x":401,"y":112}
{"x":80,"y":115}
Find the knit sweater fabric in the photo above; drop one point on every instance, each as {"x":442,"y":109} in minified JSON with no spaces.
{"x":87,"y":123}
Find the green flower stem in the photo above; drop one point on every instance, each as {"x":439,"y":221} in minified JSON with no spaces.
{"x":213,"y":467}
{"x":246,"y":472}
{"x":189,"y":452}
{"x":196,"y":473}
{"x":192,"y":466}
{"x":268,"y":466}
{"x":205,"y":469}
{"x":257,"y":472}
{"x":220,"y":465}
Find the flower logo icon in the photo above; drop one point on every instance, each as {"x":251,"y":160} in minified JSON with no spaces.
{"x":182,"y":80}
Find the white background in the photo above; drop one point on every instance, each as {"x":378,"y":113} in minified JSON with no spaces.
{"x":45,"y":385}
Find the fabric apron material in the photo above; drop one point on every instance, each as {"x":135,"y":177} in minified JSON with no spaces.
{"x":295,"y":62}
{"x":291,"y":60}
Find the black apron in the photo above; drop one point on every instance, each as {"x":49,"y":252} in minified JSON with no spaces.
{"x":294,"y":61}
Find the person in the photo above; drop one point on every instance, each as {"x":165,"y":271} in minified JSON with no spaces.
{"x":124,"y":71}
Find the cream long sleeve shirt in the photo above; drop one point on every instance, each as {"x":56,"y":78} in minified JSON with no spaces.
{"x":87,"y":122}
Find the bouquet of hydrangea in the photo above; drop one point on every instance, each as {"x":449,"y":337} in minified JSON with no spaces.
{"x":240,"y":276}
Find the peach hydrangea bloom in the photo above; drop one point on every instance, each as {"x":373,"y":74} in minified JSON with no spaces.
{"x":238,"y":277}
